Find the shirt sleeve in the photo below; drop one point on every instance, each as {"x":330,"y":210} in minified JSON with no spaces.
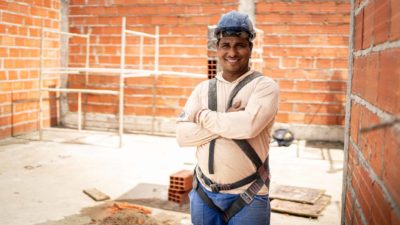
{"x":260,"y":110}
{"x":190,"y":134}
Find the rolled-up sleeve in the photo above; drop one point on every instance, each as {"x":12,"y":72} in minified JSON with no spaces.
{"x":259,"y":112}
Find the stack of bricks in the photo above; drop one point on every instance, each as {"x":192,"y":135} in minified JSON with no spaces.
{"x":180,"y":184}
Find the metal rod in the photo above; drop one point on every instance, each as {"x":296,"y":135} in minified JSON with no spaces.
{"x":61,"y":72}
{"x":140,"y":33}
{"x":121,"y":81}
{"x":87,"y":63}
{"x":87,"y":58}
{"x":127,"y":71}
{"x":79,"y":111}
{"x":65,"y":33}
{"x":40,"y":84}
{"x":87,"y":91}
{"x":157,"y":49}
{"x":156,"y":57}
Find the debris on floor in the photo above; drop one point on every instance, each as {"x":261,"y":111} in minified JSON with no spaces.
{"x":96,"y":194}
{"x":180,"y":184}
{"x":123,"y":205}
{"x":301,"y":201}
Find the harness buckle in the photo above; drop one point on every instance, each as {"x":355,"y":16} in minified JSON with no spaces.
{"x":220,"y":187}
{"x":246,"y":197}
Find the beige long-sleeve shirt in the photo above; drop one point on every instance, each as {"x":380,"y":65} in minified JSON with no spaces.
{"x":259,"y":98}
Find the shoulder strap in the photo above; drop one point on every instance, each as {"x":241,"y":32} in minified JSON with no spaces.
{"x":212,"y":94}
{"x":240,"y":85}
{"x":212,"y":105}
{"x":243,"y":144}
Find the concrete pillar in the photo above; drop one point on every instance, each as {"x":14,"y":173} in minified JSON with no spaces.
{"x":64,"y":58}
{"x":248,"y":7}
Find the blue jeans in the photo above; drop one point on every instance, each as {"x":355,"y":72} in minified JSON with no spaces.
{"x":258,"y":212}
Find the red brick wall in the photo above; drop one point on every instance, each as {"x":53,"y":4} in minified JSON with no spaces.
{"x":183,"y":48}
{"x":20,"y":32}
{"x":372,"y":193}
{"x":306,"y":50}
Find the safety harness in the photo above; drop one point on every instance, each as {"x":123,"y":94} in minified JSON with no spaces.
{"x":259,"y":178}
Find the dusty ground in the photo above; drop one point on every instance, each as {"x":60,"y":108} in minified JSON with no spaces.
{"x":41,"y":182}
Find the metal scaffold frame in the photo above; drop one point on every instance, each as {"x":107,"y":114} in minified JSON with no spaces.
{"x":257,"y":53}
{"x":122,"y":71}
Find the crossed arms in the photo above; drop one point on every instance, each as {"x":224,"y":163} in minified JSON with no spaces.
{"x":199,"y":126}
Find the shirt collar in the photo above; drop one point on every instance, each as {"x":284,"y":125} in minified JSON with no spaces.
{"x":220,"y":78}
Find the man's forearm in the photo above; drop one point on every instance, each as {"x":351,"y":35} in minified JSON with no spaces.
{"x":189,"y":134}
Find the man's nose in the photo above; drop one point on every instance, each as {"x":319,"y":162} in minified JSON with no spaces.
{"x":232,"y":52}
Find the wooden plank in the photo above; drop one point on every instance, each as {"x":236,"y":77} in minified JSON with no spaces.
{"x":296,"y":194}
{"x":301,"y":209}
{"x":96,"y":194}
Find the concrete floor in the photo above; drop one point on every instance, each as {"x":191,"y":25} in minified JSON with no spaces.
{"x":43,"y":180}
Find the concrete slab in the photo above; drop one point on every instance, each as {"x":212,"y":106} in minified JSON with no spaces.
{"x":43,"y":180}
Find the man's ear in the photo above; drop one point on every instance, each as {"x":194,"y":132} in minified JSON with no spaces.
{"x":251,"y":45}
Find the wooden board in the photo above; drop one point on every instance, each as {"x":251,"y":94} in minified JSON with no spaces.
{"x":296,"y":194}
{"x":301,"y":209}
{"x":96,"y":194}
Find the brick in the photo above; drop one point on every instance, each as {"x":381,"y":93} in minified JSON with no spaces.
{"x":395,"y":20}
{"x":391,"y":175}
{"x":372,"y":77}
{"x":168,"y":112}
{"x":285,"y":84}
{"x":316,"y":108}
{"x":382,"y":208}
{"x":354,"y":121}
{"x":388,"y":83}
{"x":358,"y":79}
{"x":181,"y":180}
{"x":312,"y":97}
{"x":381,"y":21}
{"x":324,"y":119}
{"x":180,"y":197}
{"x":368,"y":24}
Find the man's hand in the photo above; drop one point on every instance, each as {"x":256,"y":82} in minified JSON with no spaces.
{"x":236,"y":107}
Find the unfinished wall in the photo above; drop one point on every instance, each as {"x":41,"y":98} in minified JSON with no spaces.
{"x":371,"y":192}
{"x":183,"y":48}
{"x":20,"y":32}
{"x":305,"y":51}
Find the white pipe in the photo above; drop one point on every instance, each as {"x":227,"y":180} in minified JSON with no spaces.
{"x":121,"y":81}
{"x":41,"y":85}
{"x":127,"y":71}
{"x":79,"y":111}
{"x":65,"y":33}
{"x":140,"y":34}
{"x":157,"y":49}
{"x":61,"y":72}
{"x":87,"y":91}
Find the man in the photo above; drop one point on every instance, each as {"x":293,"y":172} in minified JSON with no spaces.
{"x":229,"y":120}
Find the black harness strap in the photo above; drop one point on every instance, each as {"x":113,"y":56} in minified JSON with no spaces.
{"x":212,"y":105}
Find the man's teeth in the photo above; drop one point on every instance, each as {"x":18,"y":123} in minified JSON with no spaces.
{"x":232,"y":60}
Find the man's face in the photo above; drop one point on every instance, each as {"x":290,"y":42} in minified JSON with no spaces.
{"x":234,"y":54}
